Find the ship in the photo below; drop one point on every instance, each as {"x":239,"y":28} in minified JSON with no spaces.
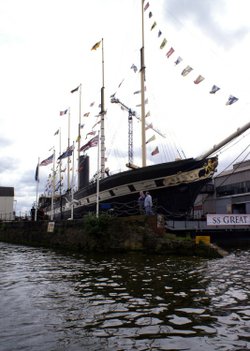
{"x":173,"y":185}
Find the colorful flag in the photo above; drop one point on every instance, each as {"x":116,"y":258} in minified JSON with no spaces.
{"x":164,"y":42}
{"x":86,"y":114}
{"x":148,"y":114}
{"x":150,"y":139}
{"x":179,"y":59}
{"x":146,"y":6}
{"x":65,"y":111}
{"x":150,"y":14}
{"x":155,"y":151}
{"x":57,"y":132}
{"x":198,"y":79}
{"x":214,"y":89}
{"x":186,"y":70}
{"x":231,"y":100}
{"x":134,"y":68}
{"x":96,"y":46}
{"x":78,"y":138}
{"x":37,"y":173}
{"x":47,"y":161}
{"x":90,"y":133}
{"x":170,"y":52}
{"x":91,"y":143}
{"x":153,"y":26}
{"x":149,"y":126}
{"x":66,"y":153}
{"x":76,"y":89}
{"x":159,"y":34}
{"x":92,"y":104}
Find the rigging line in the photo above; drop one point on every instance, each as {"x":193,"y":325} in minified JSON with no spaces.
{"x":222,"y":182}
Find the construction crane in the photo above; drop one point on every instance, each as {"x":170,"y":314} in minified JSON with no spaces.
{"x":132,"y":114}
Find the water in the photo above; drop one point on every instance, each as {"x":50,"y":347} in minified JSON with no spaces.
{"x":54,"y":301}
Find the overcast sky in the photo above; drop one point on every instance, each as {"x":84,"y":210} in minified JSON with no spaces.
{"x":45,"y":53}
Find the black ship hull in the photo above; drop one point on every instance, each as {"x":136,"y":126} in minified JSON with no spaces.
{"x":173,"y":186}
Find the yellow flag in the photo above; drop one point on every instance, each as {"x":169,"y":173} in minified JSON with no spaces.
{"x":96,"y":46}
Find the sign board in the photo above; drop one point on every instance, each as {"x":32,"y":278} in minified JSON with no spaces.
{"x":51,"y":227}
{"x":228,"y":219}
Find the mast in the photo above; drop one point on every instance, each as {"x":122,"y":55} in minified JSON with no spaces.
{"x":227,"y":140}
{"x":79,"y":133}
{"x":102,"y":119}
{"x":142,"y":71}
{"x":68,"y":161}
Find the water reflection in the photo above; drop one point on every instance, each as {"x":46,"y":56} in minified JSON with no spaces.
{"x":51,"y":301}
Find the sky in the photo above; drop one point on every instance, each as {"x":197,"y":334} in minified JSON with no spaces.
{"x":46,"y":52}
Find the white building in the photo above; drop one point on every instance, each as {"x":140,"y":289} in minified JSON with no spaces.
{"x":6,"y":203}
{"x":229,"y":193}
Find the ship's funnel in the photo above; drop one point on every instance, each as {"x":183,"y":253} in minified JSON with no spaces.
{"x":83,"y":179}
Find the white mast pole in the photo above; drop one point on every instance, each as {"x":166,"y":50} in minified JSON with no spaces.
{"x":68,"y":179}
{"x":79,"y":133}
{"x":72,"y":185}
{"x":98,"y":173}
{"x":143,"y":136}
{"x":102,"y":119}
{"x":37,"y":186}
{"x":53,"y":187}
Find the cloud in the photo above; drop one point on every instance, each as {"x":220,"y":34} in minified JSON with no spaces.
{"x":210,"y":17}
{"x":8,"y":164}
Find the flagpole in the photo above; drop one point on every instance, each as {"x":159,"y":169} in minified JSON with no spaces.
{"x":102,"y":119}
{"x":37,"y":186}
{"x":72,"y":185}
{"x":60,"y":171}
{"x":79,"y":133}
{"x":98,"y":171}
{"x":53,"y":187}
{"x":143,"y":134}
{"x":68,"y":179}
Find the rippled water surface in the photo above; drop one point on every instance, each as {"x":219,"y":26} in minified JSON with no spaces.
{"x":54,"y":301}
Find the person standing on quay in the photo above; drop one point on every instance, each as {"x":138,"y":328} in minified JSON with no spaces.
{"x":148,"y":204}
{"x":141,"y":202}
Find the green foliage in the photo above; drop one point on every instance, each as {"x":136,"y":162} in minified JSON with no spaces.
{"x":97,"y":226}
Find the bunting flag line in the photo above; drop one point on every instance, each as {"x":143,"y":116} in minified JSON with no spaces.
{"x":47,"y":161}
{"x":146,"y":6}
{"x":155,"y":151}
{"x":74,"y":90}
{"x":153,"y":26}
{"x":57,"y":132}
{"x":150,"y":139}
{"x":67,"y":153}
{"x":96,"y":45}
{"x":149,"y":126}
{"x":186,"y":70}
{"x":231,"y":100}
{"x":214,"y":89}
{"x":170,"y":52}
{"x":164,"y":42}
{"x":91,"y":143}
{"x":37,"y":173}
{"x":198,"y":79}
{"x":134,"y":68}
{"x":86,"y":114}
{"x":65,"y":111}
{"x":179,"y":59}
